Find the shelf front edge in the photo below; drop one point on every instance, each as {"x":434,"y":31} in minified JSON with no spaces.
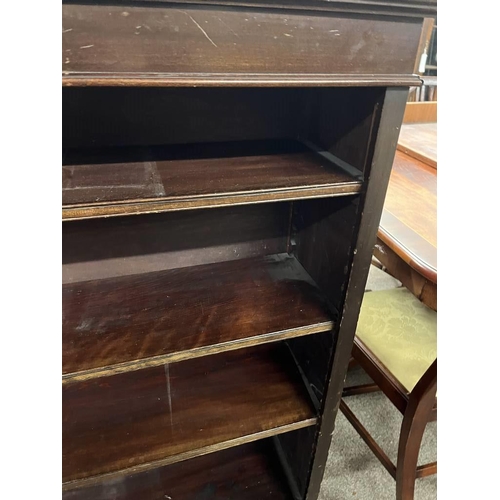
{"x":89,"y":481}
{"x":79,"y":212}
{"x":74,"y":79}
{"x":140,"y":364}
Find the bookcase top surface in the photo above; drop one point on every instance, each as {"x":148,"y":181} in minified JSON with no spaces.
{"x":160,"y":44}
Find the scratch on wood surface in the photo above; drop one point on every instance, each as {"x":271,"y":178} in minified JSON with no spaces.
{"x":68,"y":30}
{"x":86,"y":46}
{"x":152,"y":176}
{"x":120,"y":186}
{"x":229,"y":28}
{"x":169,"y":393}
{"x":201,"y":29}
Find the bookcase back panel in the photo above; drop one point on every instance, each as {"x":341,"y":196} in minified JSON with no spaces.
{"x":342,"y":121}
{"x":323,"y":232}
{"x":147,"y":116}
{"x":121,"y":246}
{"x":338,"y":120}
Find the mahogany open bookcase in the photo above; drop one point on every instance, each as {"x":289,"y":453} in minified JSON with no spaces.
{"x":224,"y":170}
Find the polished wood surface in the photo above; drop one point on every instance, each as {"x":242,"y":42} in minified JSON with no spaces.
{"x":407,"y":237}
{"x":419,"y":140}
{"x":137,"y":421}
{"x":123,"y":181}
{"x":420,"y":112}
{"x":191,"y":45}
{"x":393,"y":8}
{"x":409,"y":219}
{"x":210,"y":477}
{"x":416,"y":417}
{"x":132,"y":322}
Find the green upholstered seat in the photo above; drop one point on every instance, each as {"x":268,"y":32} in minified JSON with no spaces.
{"x":400,"y":331}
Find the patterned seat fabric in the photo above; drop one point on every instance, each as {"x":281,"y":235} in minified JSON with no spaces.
{"x":400,"y":331}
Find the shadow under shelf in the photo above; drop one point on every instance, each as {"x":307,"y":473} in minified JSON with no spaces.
{"x":247,"y":472}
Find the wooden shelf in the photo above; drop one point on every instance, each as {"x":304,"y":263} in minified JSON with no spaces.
{"x":125,"y":181}
{"x":137,"y":421}
{"x":246,"y":472}
{"x":131,"y":322}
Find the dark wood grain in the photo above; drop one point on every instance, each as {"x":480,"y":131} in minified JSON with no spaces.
{"x":246,"y":472}
{"x":380,"y":158}
{"x":137,"y":421}
{"x":393,"y":8}
{"x":130,"y":322}
{"x":157,"y":179}
{"x":169,"y":45}
{"x":141,"y":73}
{"x":106,"y":248}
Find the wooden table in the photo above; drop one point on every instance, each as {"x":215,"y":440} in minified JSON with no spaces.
{"x":407,"y":237}
{"x":419,"y":140}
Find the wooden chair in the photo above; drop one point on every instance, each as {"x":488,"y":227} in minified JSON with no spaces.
{"x":396,"y":344}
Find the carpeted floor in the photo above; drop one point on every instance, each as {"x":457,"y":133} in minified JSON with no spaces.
{"x":352,"y":471}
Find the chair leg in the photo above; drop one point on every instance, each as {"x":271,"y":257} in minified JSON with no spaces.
{"x":410,"y":439}
{"x":415,"y":420}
